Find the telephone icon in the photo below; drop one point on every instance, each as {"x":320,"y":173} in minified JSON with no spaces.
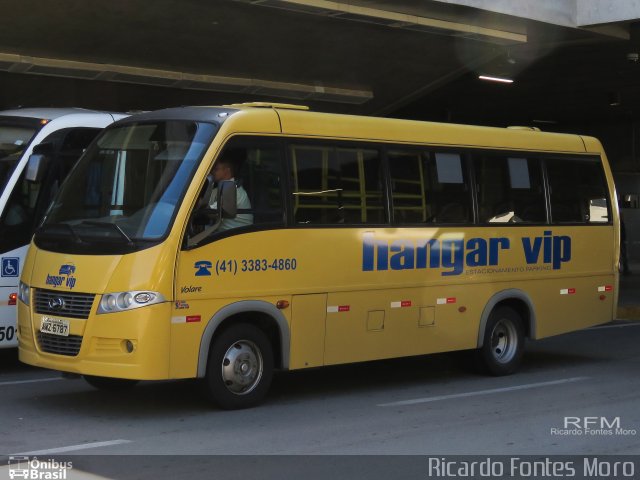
{"x":203,"y":268}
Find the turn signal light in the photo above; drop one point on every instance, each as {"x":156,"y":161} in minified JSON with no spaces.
{"x":282,"y":304}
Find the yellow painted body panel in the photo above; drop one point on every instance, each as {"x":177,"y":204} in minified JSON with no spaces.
{"x":297,"y":123}
{"x":342,"y":307}
{"x":336,"y":274}
{"x":308,"y":330}
{"x":103,"y":352}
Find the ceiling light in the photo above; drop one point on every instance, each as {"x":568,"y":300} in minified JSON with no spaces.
{"x":491,"y":78}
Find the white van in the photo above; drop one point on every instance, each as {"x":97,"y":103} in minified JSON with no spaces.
{"x":57,"y":137}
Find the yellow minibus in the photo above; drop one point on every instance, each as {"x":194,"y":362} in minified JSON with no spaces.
{"x":223,"y":243}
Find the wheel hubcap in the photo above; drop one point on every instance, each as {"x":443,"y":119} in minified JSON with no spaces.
{"x":504,"y":341}
{"x":242,"y":367}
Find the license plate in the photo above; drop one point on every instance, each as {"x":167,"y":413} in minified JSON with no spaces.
{"x":55,"y":326}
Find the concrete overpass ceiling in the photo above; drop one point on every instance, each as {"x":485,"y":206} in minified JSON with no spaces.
{"x":229,"y":39}
{"x":383,"y":57}
{"x":577,"y":84}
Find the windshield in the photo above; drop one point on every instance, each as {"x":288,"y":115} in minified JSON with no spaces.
{"x":125,"y":190}
{"x":14,"y":138}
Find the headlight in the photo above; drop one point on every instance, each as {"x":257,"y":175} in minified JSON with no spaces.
{"x":23,"y":293}
{"x":122,"y":301}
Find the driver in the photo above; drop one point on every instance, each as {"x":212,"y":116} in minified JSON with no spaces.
{"x":224,"y":169}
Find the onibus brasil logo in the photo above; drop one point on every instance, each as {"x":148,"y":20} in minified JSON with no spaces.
{"x":31,"y":468}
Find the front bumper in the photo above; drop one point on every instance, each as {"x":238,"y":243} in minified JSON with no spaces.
{"x":98,"y":345}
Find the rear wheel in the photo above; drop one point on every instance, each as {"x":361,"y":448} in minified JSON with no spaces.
{"x":110,"y":384}
{"x":240,"y":367}
{"x":503,"y":346}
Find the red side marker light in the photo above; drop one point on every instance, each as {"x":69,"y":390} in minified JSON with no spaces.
{"x":13,"y":297}
{"x":193,"y":318}
{"x":282,"y":304}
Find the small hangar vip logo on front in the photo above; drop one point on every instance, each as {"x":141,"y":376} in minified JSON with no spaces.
{"x":592,"y":426}
{"x":65,"y":277}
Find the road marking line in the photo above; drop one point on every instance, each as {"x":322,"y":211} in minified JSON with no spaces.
{"x":18,"y":382}
{"x":416,"y":401}
{"x":72,"y":448}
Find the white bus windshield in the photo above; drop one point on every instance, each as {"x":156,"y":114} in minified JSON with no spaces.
{"x":14,"y":139}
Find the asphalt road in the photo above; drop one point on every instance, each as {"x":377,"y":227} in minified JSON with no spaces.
{"x":424,"y":406}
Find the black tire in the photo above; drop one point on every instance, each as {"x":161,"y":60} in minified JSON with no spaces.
{"x":240,"y":367}
{"x":110,"y":384}
{"x":503,"y":346}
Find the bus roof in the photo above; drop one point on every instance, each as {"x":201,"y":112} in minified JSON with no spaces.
{"x":45,"y":113}
{"x":294,"y":120}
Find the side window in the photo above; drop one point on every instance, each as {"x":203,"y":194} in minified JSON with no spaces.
{"x":261,"y":176}
{"x":408,"y":185}
{"x":255,"y":165}
{"x":510,"y":189}
{"x":578,"y":191}
{"x":430,"y":187}
{"x":336,"y":185}
{"x":448,"y":190}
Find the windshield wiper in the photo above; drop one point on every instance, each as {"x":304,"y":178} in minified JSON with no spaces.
{"x":113,"y":226}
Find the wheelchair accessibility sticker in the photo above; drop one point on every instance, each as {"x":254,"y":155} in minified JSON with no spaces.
{"x":10,"y":267}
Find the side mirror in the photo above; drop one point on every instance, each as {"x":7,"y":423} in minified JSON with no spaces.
{"x":227,"y":199}
{"x":36,"y":167}
{"x":38,"y":161}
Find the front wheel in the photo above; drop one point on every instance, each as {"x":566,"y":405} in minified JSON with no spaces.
{"x":503,"y":346}
{"x":240,"y":367}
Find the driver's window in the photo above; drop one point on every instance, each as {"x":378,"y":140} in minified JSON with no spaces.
{"x":255,"y":166}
